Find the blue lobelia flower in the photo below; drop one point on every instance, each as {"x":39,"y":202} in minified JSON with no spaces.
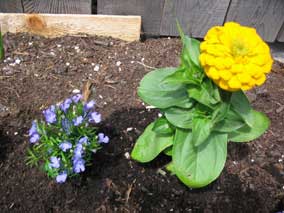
{"x":65,"y":145}
{"x":50,"y":114}
{"x":95,"y":117}
{"x":61,"y":177}
{"x":77,"y":121}
{"x":78,"y":151}
{"x":66,"y":105}
{"x":76,"y":98}
{"x":103,"y":138}
{"x":54,"y":162}
{"x":90,"y":105}
{"x":78,"y":165}
{"x":34,"y":138}
{"x":33,"y":129}
{"x":83,"y":140}
{"x":66,"y":125}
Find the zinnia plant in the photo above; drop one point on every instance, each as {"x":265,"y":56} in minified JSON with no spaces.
{"x":203,"y":103}
{"x":64,"y":142}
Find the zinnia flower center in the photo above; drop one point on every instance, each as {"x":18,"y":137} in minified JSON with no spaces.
{"x":239,"y":48}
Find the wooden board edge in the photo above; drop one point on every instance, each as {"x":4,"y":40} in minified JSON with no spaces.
{"x":55,"y":25}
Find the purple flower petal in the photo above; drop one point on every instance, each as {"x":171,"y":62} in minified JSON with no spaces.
{"x":33,"y":129}
{"x":64,"y":146}
{"x":77,"y":121}
{"x":54,"y":162}
{"x":34,"y":138}
{"x":76,"y":98}
{"x":90,"y":105}
{"x":79,"y":165}
{"x":61,"y":178}
{"x":95,"y":117}
{"x":50,"y":114}
{"x":103,"y":138}
{"x":78,"y":151}
{"x":83,"y":140}
{"x":66,"y":105}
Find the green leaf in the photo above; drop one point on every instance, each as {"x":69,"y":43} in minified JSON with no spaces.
{"x":150,"y":144}
{"x":181,"y":76}
{"x":242,"y":106}
{"x":163,"y":95}
{"x":162,"y":126}
{"x":170,"y":168}
{"x":201,"y":128}
{"x":2,"y":52}
{"x":168,"y":151}
{"x":198,"y":166}
{"x":260,"y":123}
{"x":220,"y":112}
{"x":179,"y":117}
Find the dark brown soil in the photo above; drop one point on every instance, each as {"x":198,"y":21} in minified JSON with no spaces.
{"x":252,"y":181}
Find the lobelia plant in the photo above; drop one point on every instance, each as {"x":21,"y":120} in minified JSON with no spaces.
{"x":65,"y":141}
{"x":203,"y":103}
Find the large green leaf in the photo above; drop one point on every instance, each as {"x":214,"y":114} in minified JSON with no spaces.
{"x":260,"y":123}
{"x":155,"y":92}
{"x":201,"y":129}
{"x":181,"y":76}
{"x":162,"y":126}
{"x":150,"y":144}
{"x":242,"y":106}
{"x":198,"y":166}
{"x":179,"y":117}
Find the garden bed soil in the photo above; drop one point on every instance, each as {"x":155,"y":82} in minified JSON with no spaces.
{"x":39,"y":72}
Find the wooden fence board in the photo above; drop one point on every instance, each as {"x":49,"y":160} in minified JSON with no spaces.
{"x":58,"y":6}
{"x":280,"y":37}
{"x":11,"y":6}
{"x":267,"y":16}
{"x":54,"y":25}
{"x":150,"y":10}
{"x":195,"y":16}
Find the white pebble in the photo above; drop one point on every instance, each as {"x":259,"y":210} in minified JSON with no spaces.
{"x":143,"y":103}
{"x":30,"y":43}
{"x":100,"y":96}
{"x":129,"y":129}
{"x":90,"y":74}
{"x":280,"y":160}
{"x":97,"y":68}
{"x":15,"y":133}
{"x":252,"y":160}
{"x":118,"y":63}
{"x":67,"y":64}
{"x":58,"y":45}
{"x":160,"y":115}
{"x":119,"y":69}
{"x":142,"y":59}
{"x":150,"y":107}
{"x":17,"y":61}
{"x":76,"y":48}
{"x":282,"y":156}
{"x":127,"y":155}
{"x":93,"y":64}
{"x":12,"y":64}
{"x":169,"y":38}
{"x":132,"y":62}
{"x":105,"y":103}
{"x":52,"y":53}
{"x":111,"y":43}
{"x":235,"y":162}
{"x":36,"y":75}
{"x":76,"y":91}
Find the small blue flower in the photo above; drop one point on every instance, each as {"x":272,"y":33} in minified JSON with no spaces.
{"x":79,"y":165}
{"x":83,"y":140}
{"x":76,"y":98}
{"x":64,"y":146}
{"x":54,"y":162}
{"x":77,"y":121}
{"x":66,"y":105}
{"x":90,"y":105}
{"x":50,"y":114}
{"x":34,"y":138}
{"x":78,"y":151}
{"x":61,"y":178}
{"x":33,"y":129}
{"x":103,"y":138}
{"x":66,"y":125}
{"x":95,"y":117}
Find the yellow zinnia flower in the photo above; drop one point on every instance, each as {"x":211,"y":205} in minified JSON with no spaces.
{"x":235,"y":57}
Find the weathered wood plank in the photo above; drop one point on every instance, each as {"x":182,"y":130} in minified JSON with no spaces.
{"x":150,"y":10}
{"x":195,"y":16}
{"x":267,"y":16}
{"x":54,"y":25}
{"x":11,"y":6}
{"x":58,"y":6}
{"x":281,"y":34}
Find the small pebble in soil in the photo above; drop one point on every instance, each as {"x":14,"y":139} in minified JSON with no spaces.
{"x":67,"y":64}
{"x":119,"y":69}
{"x":105,"y":103}
{"x":132,"y":62}
{"x":36,"y":75}
{"x":142,"y":59}
{"x":76,"y":48}
{"x":17,"y":61}
{"x":100,"y":96}
{"x":160,"y":115}
{"x":280,"y":160}
{"x":235,"y":162}
{"x":127,"y":155}
{"x":118,"y":63}
{"x":52,"y":53}
{"x":30,"y":43}
{"x":93,"y":64}
{"x":58,"y":45}
{"x":97,"y":68}
{"x":150,"y":107}
{"x":161,"y":172}
{"x":129,"y":129}
{"x":12,"y":64}
{"x":252,"y":160}
{"x":15,"y":133}
{"x":75,"y":91}
{"x":282,"y":156}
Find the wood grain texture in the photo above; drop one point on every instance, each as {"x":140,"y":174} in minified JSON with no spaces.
{"x":267,"y":16}
{"x":53,"y":25}
{"x":150,"y":10}
{"x":58,"y":6}
{"x":280,"y":37}
{"x":11,"y":6}
{"x":195,"y":16}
